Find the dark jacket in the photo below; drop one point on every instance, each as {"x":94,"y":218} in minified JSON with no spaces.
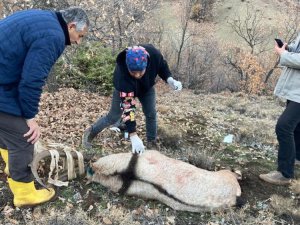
{"x":30,"y":43}
{"x":123,"y":82}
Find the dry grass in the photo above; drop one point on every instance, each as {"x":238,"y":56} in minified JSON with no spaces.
{"x":38,"y":216}
{"x":169,"y":137}
{"x":264,"y":217}
{"x":243,"y":116}
{"x":202,"y":159}
{"x":285,"y":206}
{"x":295,"y":187}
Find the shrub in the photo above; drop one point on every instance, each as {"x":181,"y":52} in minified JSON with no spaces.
{"x":253,"y":80}
{"x":202,"y":10}
{"x":90,"y":68}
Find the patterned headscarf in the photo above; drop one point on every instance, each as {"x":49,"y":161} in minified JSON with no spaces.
{"x":136,"y":58}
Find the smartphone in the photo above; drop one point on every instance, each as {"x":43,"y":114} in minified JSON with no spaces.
{"x":279,"y":42}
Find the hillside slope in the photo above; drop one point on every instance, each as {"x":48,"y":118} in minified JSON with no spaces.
{"x":191,"y":128}
{"x":229,"y":9}
{"x":224,"y":10}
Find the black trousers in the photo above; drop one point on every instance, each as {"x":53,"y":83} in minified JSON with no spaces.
{"x":20,"y":152}
{"x":288,"y":136}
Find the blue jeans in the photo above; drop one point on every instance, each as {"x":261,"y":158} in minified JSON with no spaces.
{"x":148,"y":102}
{"x":288,"y":136}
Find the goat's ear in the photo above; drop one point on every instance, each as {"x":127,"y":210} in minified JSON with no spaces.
{"x":238,"y":174}
{"x":90,"y":171}
{"x":89,"y":174}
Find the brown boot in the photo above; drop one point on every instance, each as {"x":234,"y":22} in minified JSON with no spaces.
{"x":275,"y":177}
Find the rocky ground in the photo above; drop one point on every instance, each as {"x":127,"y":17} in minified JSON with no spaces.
{"x":192,"y":127}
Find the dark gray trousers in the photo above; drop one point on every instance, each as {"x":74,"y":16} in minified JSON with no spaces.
{"x":20,"y":152}
{"x":288,"y":136}
{"x":148,"y":101}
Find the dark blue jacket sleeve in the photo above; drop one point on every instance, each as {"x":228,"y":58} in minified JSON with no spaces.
{"x":40,"y":58}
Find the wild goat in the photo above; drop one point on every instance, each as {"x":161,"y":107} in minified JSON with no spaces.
{"x":179,"y":185}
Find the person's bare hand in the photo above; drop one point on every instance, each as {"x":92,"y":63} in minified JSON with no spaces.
{"x":279,"y":50}
{"x":34,"y":132}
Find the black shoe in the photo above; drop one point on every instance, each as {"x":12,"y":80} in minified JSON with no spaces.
{"x":87,"y":138}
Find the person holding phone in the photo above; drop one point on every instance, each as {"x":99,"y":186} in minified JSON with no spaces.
{"x":288,"y":124}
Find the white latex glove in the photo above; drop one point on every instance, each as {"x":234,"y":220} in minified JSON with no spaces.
{"x":176,"y":85}
{"x":137,"y":144}
{"x":116,"y":129}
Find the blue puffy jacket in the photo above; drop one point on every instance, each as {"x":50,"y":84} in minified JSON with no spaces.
{"x":30,"y":43}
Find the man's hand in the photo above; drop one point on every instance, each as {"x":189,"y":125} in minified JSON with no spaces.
{"x":279,"y":50}
{"x":176,"y":85}
{"x":137,"y":144}
{"x":34,"y":132}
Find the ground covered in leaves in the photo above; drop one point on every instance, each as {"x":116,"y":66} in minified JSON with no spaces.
{"x":192,"y":127}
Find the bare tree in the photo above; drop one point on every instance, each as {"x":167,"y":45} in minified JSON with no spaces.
{"x":287,"y":32}
{"x":116,"y":22}
{"x":252,"y":29}
{"x":184,"y":25}
{"x":10,"y":6}
{"x":232,"y":61}
{"x":184,"y":34}
{"x":201,"y":64}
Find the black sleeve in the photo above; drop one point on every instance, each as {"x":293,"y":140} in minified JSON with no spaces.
{"x":163,"y":70}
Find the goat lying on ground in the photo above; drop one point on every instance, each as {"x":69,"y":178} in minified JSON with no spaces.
{"x":177,"y":184}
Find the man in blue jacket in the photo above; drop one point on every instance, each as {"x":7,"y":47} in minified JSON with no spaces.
{"x":134,"y":77}
{"x":31,"y":42}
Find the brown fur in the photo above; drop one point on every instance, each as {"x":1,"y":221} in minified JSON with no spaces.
{"x":177,"y":184}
